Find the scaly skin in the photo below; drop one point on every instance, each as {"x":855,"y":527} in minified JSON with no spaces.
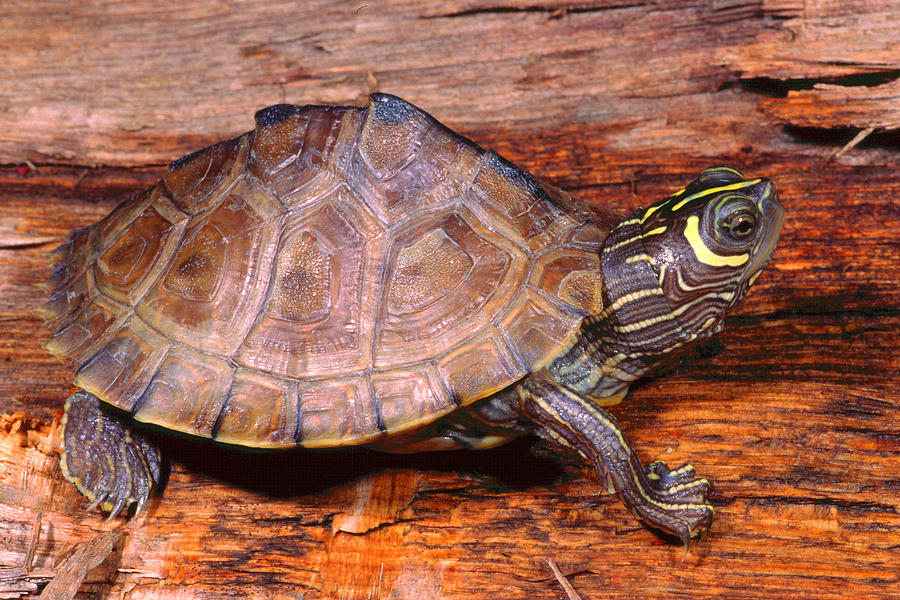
{"x":112,"y":466}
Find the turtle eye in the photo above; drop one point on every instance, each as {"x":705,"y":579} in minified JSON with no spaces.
{"x":740,"y":225}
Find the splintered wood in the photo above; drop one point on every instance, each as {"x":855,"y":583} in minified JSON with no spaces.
{"x":791,"y":412}
{"x":829,"y":106}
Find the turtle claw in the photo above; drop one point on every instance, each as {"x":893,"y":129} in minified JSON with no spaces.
{"x":111,"y":466}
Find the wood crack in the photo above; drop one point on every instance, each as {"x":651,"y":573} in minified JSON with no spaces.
{"x":553,"y":12}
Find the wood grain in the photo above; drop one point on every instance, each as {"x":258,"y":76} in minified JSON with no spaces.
{"x":825,"y":105}
{"x":792,"y":411}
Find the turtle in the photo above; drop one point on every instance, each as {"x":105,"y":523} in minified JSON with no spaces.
{"x":345,"y":275}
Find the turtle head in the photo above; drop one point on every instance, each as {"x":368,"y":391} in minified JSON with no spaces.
{"x":709,"y":242}
{"x":689,"y":259}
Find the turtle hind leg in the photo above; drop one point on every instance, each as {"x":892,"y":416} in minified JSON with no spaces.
{"x":112,"y":466}
{"x":670,"y":500}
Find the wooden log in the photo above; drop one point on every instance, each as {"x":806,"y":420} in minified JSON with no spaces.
{"x":830,"y":106}
{"x":792,"y":412}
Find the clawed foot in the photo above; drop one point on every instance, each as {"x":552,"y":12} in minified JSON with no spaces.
{"x":677,"y":483}
{"x":670,"y":500}
{"x":110,"y":465}
{"x":676,"y":502}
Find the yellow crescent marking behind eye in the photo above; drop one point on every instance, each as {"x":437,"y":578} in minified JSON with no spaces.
{"x":704,"y":254}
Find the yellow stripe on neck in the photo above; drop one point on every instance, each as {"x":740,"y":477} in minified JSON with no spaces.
{"x":704,"y":254}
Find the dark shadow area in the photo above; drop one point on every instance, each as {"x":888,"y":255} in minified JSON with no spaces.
{"x":779,"y":88}
{"x":858,"y":302}
{"x":299,"y":472}
{"x":840,"y":136}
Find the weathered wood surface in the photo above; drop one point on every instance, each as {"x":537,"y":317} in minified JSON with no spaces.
{"x":793,"y":412}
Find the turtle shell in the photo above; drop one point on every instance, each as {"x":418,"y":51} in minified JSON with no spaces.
{"x":336,"y":274}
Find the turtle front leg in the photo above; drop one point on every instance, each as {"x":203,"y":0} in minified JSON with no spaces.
{"x":110,"y":465}
{"x":670,"y":500}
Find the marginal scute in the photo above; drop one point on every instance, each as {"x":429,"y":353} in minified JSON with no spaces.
{"x":260,"y":411}
{"x":582,"y":290}
{"x":479,"y":367}
{"x":63,"y":305}
{"x":192,"y":408}
{"x":335,"y":410}
{"x":571,"y":277}
{"x":98,"y":321}
{"x":588,"y":236}
{"x":197,"y":181}
{"x":70,"y":259}
{"x":121,"y":370}
{"x":410,"y":396}
{"x":215,"y":283}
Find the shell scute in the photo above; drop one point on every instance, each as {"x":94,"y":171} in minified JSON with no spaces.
{"x":137,"y":257}
{"x":273,"y":115}
{"x":97,"y":322}
{"x":516,"y":205}
{"x":329,"y":138}
{"x":275,"y":148}
{"x":407,"y":163}
{"x":64,"y":305}
{"x":479,"y":367}
{"x":115,"y":223}
{"x":442,"y":286}
{"x":260,"y":411}
{"x":536,"y":329}
{"x":333,"y":411}
{"x":391,"y":135}
{"x":588,"y":236}
{"x":570,"y":277}
{"x":194,"y":408}
{"x":196,"y":181}
{"x":215,"y":283}
{"x":121,"y":370}
{"x":408,"y":395}
{"x":311,"y":324}
{"x":69,"y":260}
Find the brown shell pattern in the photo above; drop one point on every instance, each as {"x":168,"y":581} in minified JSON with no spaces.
{"x":336,"y":274}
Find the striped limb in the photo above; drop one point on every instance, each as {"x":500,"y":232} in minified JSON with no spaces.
{"x":110,"y":465}
{"x":671,"y":500}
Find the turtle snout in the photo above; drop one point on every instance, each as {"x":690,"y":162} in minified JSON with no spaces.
{"x":773,"y":219}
